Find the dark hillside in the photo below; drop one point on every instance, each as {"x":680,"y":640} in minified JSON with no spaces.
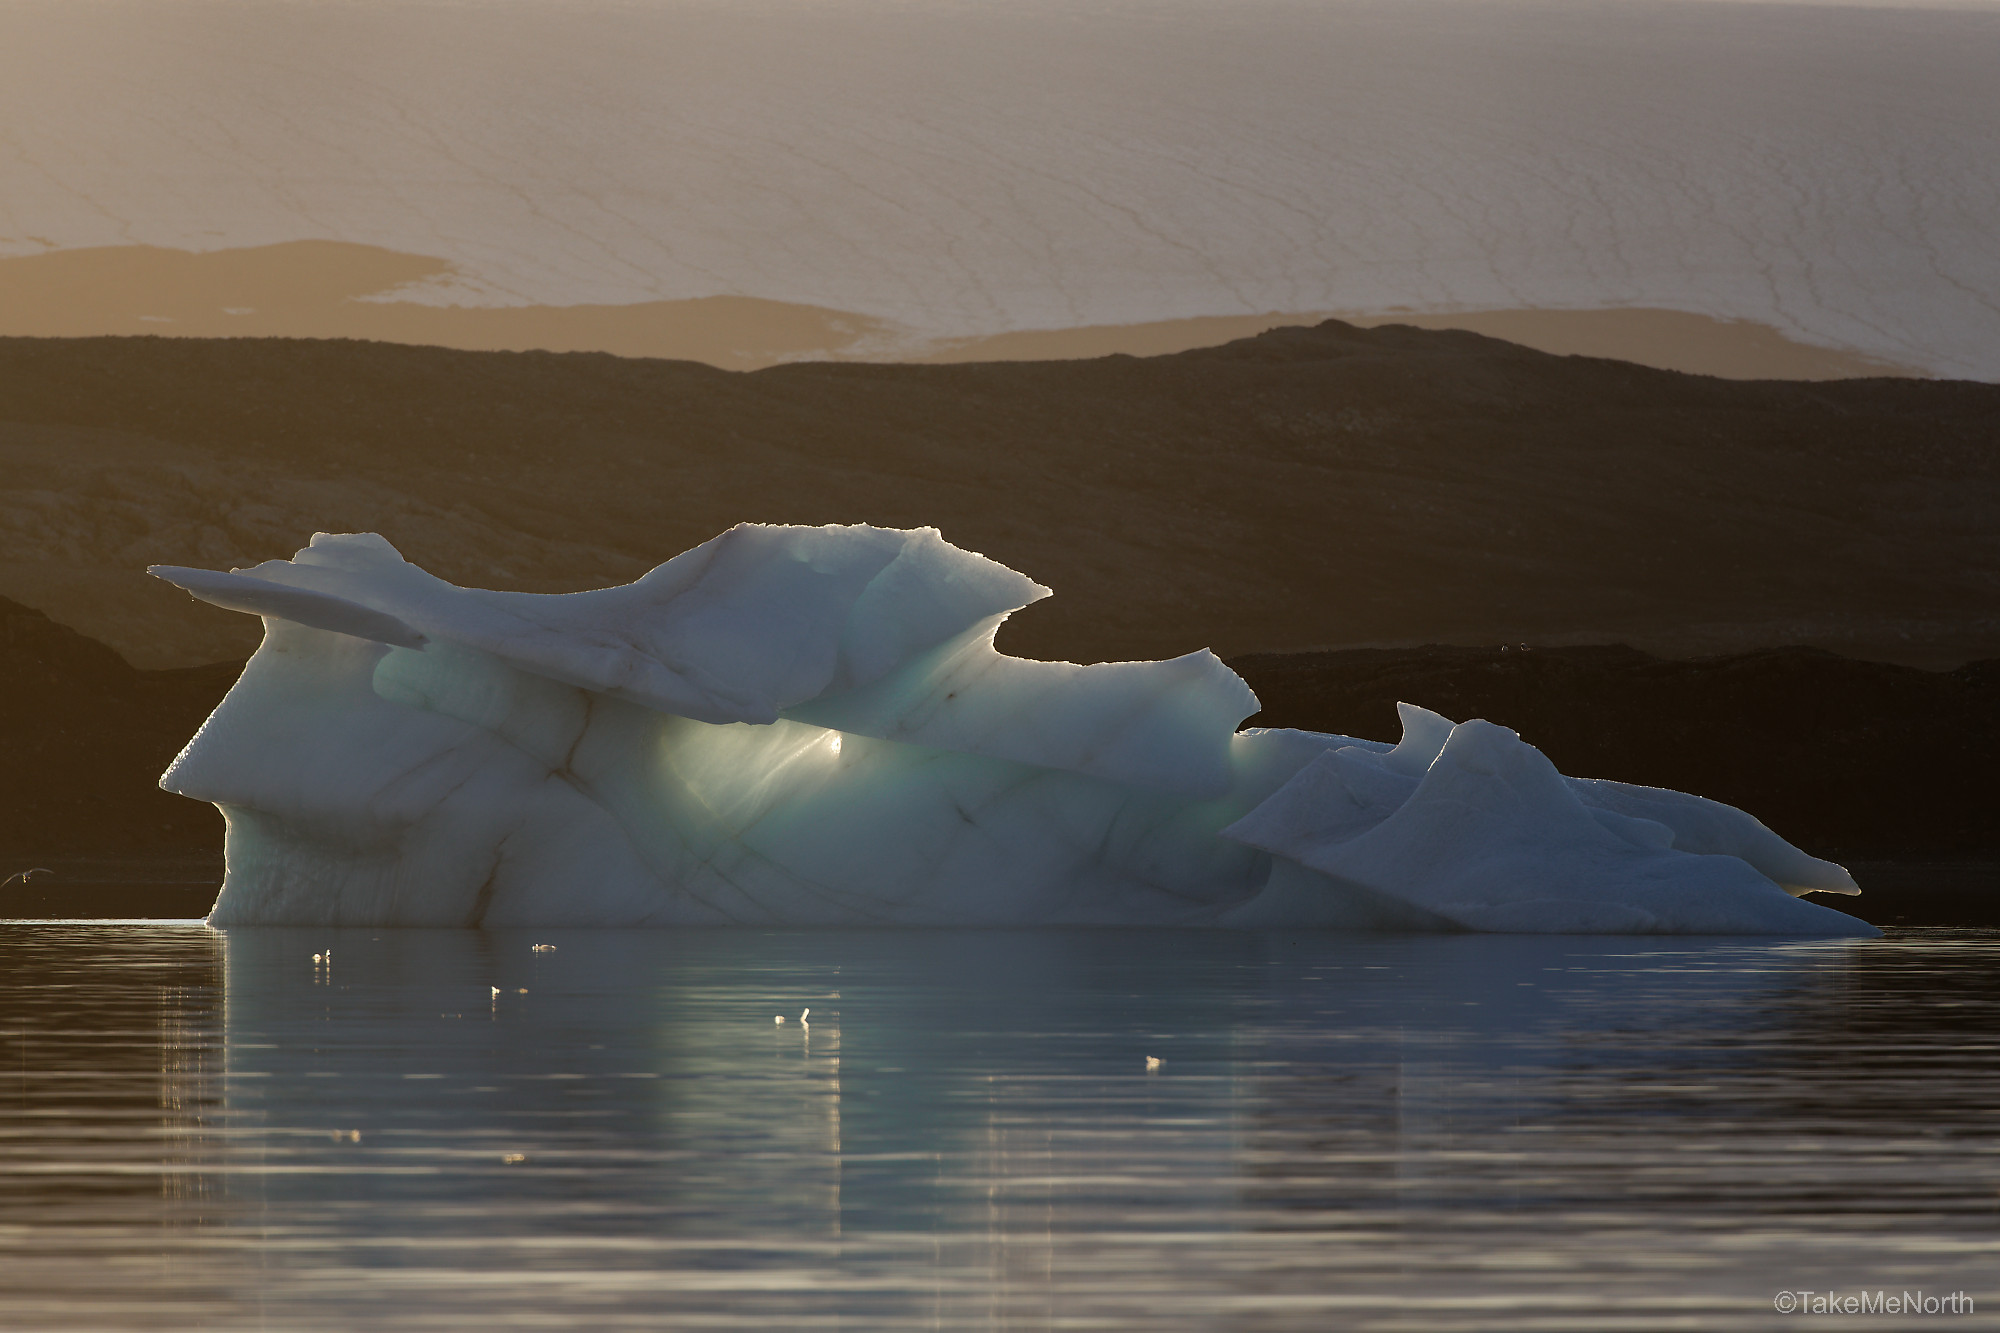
{"x":1307,"y":488}
{"x":85,"y":738}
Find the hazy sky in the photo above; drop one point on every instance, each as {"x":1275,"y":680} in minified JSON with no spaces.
{"x":976,"y":167}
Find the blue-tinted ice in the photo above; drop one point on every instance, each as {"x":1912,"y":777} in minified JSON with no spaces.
{"x":811,"y":726}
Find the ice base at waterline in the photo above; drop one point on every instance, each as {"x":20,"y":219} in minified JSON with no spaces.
{"x":811,"y":726}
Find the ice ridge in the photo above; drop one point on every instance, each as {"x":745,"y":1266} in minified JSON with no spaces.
{"x":811,"y":726}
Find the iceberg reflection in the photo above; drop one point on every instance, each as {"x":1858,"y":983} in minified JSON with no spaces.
{"x":943,"y":1073}
{"x":208,"y":1130}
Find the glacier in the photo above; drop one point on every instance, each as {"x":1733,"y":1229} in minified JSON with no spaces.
{"x":812,"y":726}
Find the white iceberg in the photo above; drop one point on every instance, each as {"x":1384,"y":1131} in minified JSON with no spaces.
{"x":811,"y":726}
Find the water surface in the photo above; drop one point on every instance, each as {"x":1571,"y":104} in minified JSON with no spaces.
{"x":200,"y":1129}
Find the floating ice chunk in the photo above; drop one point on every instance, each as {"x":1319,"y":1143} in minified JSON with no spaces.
{"x":1424,"y":736}
{"x":1697,"y":825}
{"x":1294,"y":897}
{"x":734,"y":630}
{"x":1341,"y":794}
{"x":1157,"y":724}
{"x":812,"y":726}
{"x":261,"y":597}
{"x":1493,"y":838}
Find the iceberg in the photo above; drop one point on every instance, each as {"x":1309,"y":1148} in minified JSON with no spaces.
{"x":812,"y":726}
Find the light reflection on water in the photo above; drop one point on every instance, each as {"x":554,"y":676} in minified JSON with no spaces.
{"x":209,"y":1130}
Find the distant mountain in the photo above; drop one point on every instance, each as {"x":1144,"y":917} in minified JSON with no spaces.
{"x":329,"y":289}
{"x":1306,"y":488}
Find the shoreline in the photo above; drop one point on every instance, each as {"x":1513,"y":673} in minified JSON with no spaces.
{"x":1908,"y":893}
{"x":328,"y":289}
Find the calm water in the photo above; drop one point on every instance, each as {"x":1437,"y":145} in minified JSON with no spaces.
{"x":210,"y":1130}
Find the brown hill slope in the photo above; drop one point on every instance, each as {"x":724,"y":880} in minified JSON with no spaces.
{"x":1306,"y":488}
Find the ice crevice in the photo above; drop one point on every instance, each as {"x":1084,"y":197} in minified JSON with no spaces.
{"x":811,"y":726}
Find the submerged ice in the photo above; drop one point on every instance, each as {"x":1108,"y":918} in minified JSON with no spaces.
{"x":811,"y":726}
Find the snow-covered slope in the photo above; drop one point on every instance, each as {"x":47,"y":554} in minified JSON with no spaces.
{"x":962,"y":169}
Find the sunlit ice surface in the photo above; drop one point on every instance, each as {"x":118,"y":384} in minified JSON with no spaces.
{"x":962,"y":169}
{"x":1136,"y":1130}
{"x":694,"y":748}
